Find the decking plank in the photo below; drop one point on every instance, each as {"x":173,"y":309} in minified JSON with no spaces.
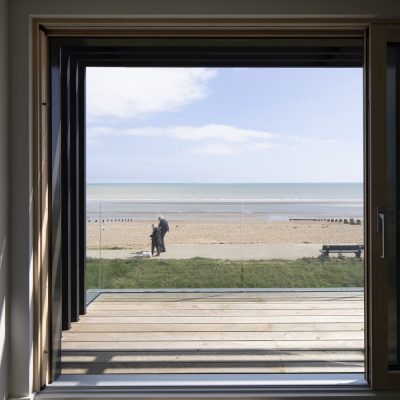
{"x":206,"y":336}
{"x":218,"y":355}
{"x":229,"y":327}
{"x":221,"y":313}
{"x":272,"y":299}
{"x":221,"y":320}
{"x":218,"y":345}
{"x":327,"y":305}
{"x":99,"y":369}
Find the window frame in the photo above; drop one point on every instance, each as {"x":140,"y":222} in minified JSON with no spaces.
{"x":375,"y":36}
{"x":381,"y":376}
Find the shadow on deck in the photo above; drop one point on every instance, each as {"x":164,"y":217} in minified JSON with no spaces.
{"x":227,"y":332}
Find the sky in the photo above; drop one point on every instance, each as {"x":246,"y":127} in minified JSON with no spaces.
{"x":224,"y":125}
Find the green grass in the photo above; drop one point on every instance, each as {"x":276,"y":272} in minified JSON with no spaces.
{"x":211,"y":273}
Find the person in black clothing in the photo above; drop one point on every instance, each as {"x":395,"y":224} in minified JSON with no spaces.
{"x":164,"y":228}
{"x":155,"y":240}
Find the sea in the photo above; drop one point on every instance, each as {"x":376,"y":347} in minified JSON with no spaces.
{"x":183,"y":201}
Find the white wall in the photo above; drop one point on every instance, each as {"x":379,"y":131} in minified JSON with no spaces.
{"x":4,"y":133}
{"x":20,"y":172}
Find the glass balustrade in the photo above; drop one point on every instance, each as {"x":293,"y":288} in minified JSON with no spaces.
{"x":222,"y":245}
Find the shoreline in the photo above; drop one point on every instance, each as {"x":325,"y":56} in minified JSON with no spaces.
{"x":223,"y":217}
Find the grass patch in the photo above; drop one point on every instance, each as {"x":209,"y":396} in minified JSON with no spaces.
{"x":212,"y":273}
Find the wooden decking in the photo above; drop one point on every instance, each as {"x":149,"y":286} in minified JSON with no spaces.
{"x":238,"y":332}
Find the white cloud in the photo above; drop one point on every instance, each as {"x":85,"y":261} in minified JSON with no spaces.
{"x":139,"y":92}
{"x":213,"y":139}
{"x":311,"y":140}
{"x":216,"y":149}
{"x":229,"y":149}
{"x":99,"y":131}
{"x":259,"y":146}
{"x":224,"y":133}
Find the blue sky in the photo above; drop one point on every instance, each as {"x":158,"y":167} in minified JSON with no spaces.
{"x":224,"y":125}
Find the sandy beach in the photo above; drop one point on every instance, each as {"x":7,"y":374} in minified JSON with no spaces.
{"x":251,"y":238}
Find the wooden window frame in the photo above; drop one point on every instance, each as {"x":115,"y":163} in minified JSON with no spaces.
{"x":375,"y":33}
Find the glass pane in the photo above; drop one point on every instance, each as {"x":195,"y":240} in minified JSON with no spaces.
{"x":199,"y":234}
{"x":312,"y":242}
{"x":393,"y":222}
{"x":94,"y":275}
{"x":313,"y":300}
{"x":258,"y":173}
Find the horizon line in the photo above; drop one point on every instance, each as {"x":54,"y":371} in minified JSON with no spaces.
{"x":214,"y":183}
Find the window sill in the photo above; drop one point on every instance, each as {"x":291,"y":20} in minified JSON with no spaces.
{"x":154,"y":386}
{"x":208,"y":380}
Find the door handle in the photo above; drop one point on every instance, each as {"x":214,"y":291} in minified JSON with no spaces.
{"x":381,"y":229}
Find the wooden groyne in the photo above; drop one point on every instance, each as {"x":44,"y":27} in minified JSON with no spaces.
{"x":350,"y":221}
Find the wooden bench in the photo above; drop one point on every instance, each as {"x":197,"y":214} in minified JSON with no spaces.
{"x":357,"y":249}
